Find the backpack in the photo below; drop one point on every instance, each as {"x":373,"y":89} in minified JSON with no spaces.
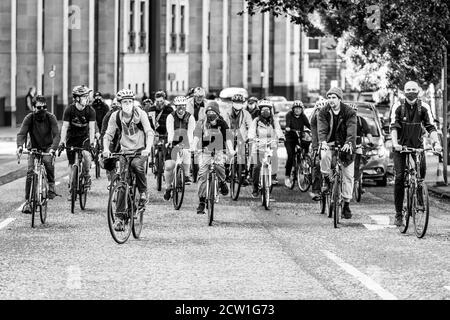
{"x":119,"y":123}
{"x":403,"y":108}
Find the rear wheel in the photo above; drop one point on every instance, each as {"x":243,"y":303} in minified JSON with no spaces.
{"x":211,"y":198}
{"x":304,"y":173}
{"x":336,"y":201}
{"x":138,"y":214}
{"x":236,"y":179}
{"x":357,"y":190}
{"x":73,"y":188}
{"x":406,"y":212}
{"x":420,"y":208}
{"x":119,"y":199}
{"x":266,"y":187}
{"x":83,"y":193}
{"x":32,"y":199}
{"x":159,"y":170}
{"x":178,"y":187}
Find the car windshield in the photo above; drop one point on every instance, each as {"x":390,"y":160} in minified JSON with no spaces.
{"x":283,"y":107}
{"x":373,"y":125}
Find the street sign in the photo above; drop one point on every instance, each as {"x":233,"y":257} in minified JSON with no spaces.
{"x":171,"y":76}
{"x":51,"y":74}
{"x":74,"y":17}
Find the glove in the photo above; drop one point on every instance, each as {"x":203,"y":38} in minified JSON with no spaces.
{"x":106,"y":153}
{"x":145,"y":153}
{"x":19,"y":151}
{"x":397,"y":147}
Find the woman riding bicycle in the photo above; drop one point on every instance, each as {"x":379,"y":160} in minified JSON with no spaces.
{"x":264,"y":128}
{"x":296,"y":121}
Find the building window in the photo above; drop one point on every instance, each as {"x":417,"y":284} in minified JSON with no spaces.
{"x":173,"y":34}
{"x":142,"y":33}
{"x":131,"y":32}
{"x":313,"y":45}
{"x":182,"y":34}
{"x":313,"y":79}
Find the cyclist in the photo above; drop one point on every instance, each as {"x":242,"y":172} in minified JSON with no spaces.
{"x":252,"y":107}
{"x":158,"y":115}
{"x":101,"y":109}
{"x":296,"y":120}
{"x":264,"y":128}
{"x":337,"y":126}
{"x":197,"y":103}
{"x":180,"y":129}
{"x":240,"y":120}
{"x":136,"y":135}
{"x":146,"y":105}
{"x":109,"y":164}
{"x":78,"y":129}
{"x":363,"y":138}
{"x":407,"y":119}
{"x":316,"y":178}
{"x":212,"y":133}
{"x":43,"y":129}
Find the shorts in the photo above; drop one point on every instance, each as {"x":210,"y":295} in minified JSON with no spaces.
{"x":79,"y":142}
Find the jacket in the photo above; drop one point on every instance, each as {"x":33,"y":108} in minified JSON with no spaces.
{"x":296,"y":124}
{"x":242,"y":122}
{"x":43,"y":134}
{"x":346,"y":127}
{"x":264,"y":132}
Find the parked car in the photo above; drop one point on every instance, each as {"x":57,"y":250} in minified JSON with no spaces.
{"x":225,"y":96}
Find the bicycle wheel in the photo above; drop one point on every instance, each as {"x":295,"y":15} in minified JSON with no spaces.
{"x":235,"y":179}
{"x":294,"y":173}
{"x":159,"y":170}
{"x":178,"y":187}
{"x":32,"y":199}
{"x":97,"y":168}
{"x":266,"y":191}
{"x":211,"y":198}
{"x":43,"y":199}
{"x":137,"y":213}
{"x":194,"y":169}
{"x":406,"y":212}
{"x":304,"y":173}
{"x":357,"y":188}
{"x":119,"y":199}
{"x":420,"y":208}
{"x":73,"y":188}
{"x":335,"y":200}
{"x":83,"y":192}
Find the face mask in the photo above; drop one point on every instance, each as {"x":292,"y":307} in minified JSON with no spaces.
{"x":411,"y":96}
{"x":237,"y":107}
{"x":127,"y":108}
{"x":211,"y":117}
{"x":181,"y":111}
{"x":265,"y":114}
{"x":40,"y":113}
{"x":251,"y":106}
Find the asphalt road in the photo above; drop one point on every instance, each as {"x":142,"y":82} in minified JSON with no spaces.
{"x":289,"y":252}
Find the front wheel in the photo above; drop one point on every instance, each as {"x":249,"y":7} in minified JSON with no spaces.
{"x":406,"y":212}
{"x":178,"y":187}
{"x":83,"y":193}
{"x":235,"y":179}
{"x":137,"y":213}
{"x":33,"y":198}
{"x":420,"y":208}
{"x":159,"y":170}
{"x":97,"y":167}
{"x":336,"y":202}
{"x":211,"y":198}
{"x":357,"y":190}
{"x":119,"y":199}
{"x":265,"y":190}
{"x":304,"y":173}
{"x":73,"y":188}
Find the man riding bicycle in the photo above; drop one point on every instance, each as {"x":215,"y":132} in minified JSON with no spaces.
{"x":337,"y":126}
{"x":408,"y":117}
{"x":196,"y":104}
{"x":136,"y":136}
{"x":296,"y":121}
{"x":252,"y":107}
{"x":110,"y":164}
{"x":43,"y":129}
{"x":263,"y":129}
{"x":78,"y":130}
{"x":180,"y":129}
{"x":211,"y":133}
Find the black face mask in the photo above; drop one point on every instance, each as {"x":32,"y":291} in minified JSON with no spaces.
{"x":40,"y":113}
{"x":411,"y":96}
{"x":211,"y":117}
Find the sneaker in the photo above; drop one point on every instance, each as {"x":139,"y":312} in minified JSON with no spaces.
{"x":288,"y":182}
{"x":201,"y":206}
{"x":398,"y":219}
{"x":187,"y":180}
{"x":315,"y":196}
{"x":274,"y":180}
{"x":26,"y":208}
{"x":51,"y":192}
{"x":223,"y":188}
{"x":87,"y":181}
{"x":119,"y":225}
{"x":255,"y":193}
{"x":143,"y":199}
{"x":346,"y":212}
{"x":167,"y":194}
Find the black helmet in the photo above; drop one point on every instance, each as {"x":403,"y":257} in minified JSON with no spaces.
{"x":238,"y":98}
{"x":160,"y":94}
{"x":297,"y":103}
{"x":79,"y":91}
{"x":147,"y":101}
{"x":252,"y":100}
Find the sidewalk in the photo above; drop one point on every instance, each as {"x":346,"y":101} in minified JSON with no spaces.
{"x":8,"y":134}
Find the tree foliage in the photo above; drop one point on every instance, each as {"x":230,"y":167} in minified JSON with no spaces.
{"x":409,"y":38}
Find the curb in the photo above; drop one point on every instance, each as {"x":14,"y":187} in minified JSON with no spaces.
{"x":437,"y":190}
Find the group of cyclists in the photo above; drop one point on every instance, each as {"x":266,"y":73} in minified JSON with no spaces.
{"x":199,"y":126}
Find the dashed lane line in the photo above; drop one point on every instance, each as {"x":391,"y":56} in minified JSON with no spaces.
{"x":5,"y":222}
{"x":364,"y":279}
{"x":381,"y":222}
{"x":447,"y":287}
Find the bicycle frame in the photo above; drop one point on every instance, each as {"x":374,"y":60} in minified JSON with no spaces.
{"x":266,"y":164}
{"x":212,"y":171}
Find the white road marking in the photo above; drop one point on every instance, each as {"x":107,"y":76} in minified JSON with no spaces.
{"x":364,"y":279}
{"x":447,"y":287}
{"x":73,"y":277}
{"x":380,"y":219}
{"x":57,"y":183}
{"x":381,"y":222}
{"x":374,"y":227}
{"x":5,"y":222}
{"x":21,"y":207}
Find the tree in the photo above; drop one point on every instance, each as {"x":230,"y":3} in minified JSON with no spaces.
{"x":407,"y":36}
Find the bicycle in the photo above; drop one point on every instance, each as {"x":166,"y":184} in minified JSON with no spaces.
{"x":302,"y":167}
{"x":38,"y":196}
{"x":123,"y":201}
{"x":77,"y":185}
{"x":238,"y":170}
{"x":157,"y":161}
{"x":336,"y":200}
{"x":358,"y":182}
{"x":178,"y":178}
{"x":416,"y":199}
{"x":96,"y":157}
{"x":265,"y":177}
{"x":325,"y":196}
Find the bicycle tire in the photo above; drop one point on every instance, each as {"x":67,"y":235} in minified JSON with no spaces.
{"x":211,"y":198}
{"x":118,"y":236}
{"x":357,"y":190}
{"x":138,"y":215}
{"x":97,"y":168}
{"x":194,"y":169}
{"x":303,"y":174}
{"x":406,"y":210}
{"x":178,"y":187}
{"x":83,"y":193}
{"x":236,"y":179}
{"x":32,"y":199}
{"x":336,"y":202}
{"x":294,"y":173}
{"x":73,"y":188}
{"x":420,"y":220}
{"x":266,"y":191}
{"x":43,"y":198}
{"x":159,"y":170}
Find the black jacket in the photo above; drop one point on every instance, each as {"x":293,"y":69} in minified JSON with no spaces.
{"x":44,"y":134}
{"x":346,"y":128}
{"x":296,"y":124}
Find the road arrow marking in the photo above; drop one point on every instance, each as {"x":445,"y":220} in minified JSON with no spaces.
{"x":21,"y":207}
{"x":381,"y":222}
{"x":73,"y":277}
{"x":380,"y":219}
{"x":364,"y":279}
{"x":4,"y":223}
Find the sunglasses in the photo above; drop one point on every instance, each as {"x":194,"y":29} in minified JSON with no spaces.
{"x":39,"y":107}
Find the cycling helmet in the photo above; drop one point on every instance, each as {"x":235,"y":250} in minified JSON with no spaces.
{"x":80,"y":91}
{"x":265,"y":103}
{"x":160,"y":94}
{"x":147,"y":101}
{"x":239,"y":98}
{"x":124,"y":94}
{"x":297,"y":103}
{"x":97,"y":95}
{"x":199,"y":92}
{"x":252,"y":100}
{"x":354,"y":106}
{"x":180,"y":100}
